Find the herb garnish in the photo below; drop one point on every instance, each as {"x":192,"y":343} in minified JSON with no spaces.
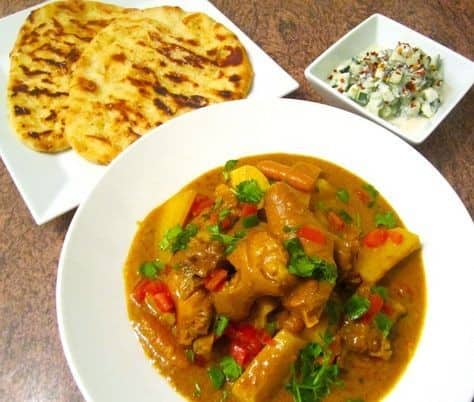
{"x":178,"y":238}
{"x":249,"y":191}
{"x":344,"y":216}
{"x":343,"y":195}
{"x":151,"y":269}
{"x":230,"y":241}
{"x":381,"y":290}
{"x":217,"y":376}
{"x":220,"y":325}
{"x":229,"y":165}
{"x":230,"y":368}
{"x":313,"y":374}
{"x":250,"y":221}
{"x":383,"y":323}
{"x":301,"y":264}
{"x":372,"y":191}
{"x":356,"y":307}
{"x":387,"y":220}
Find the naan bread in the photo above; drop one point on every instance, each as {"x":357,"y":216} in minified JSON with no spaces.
{"x":141,"y":71}
{"x":48,"y":44}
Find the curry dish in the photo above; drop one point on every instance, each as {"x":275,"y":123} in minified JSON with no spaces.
{"x":277,"y":278}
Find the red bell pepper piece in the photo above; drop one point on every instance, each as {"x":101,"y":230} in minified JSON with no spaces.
{"x":376,"y":238}
{"x":376,"y":305}
{"x":200,"y":203}
{"x":164,"y":302}
{"x":247,"y":209}
{"x":311,"y":234}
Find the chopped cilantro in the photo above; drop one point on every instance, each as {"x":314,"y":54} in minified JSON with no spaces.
{"x":230,"y":368}
{"x":383,"y":323}
{"x":387,"y":220}
{"x":343,"y":195}
{"x":229,"y":165}
{"x":221,"y":324}
{"x":313,"y":375}
{"x":230,"y":241}
{"x":371,"y":190}
{"x":217,"y":376}
{"x":178,"y":238}
{"x":250,"y":221}
{"x":249,"y":191}
{"x":345,"y":216}
{"x":151,"y":269}
{"x":301,"y":264}
{"x":356,"y":307}
{"x":381,"y":290}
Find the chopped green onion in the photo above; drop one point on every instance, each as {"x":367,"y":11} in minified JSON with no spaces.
{"x":250,"y":221}
{"x":220,"y":325}
{"x":345,"y":216}
{"x":383,"y":323}
{"x":151,"y":269}
{"x":387,"y":220}
{"x":343,"y":195}
{"x":381,"y":290}
{"x":217,"y":376}
{"x":229,"y":165}
{"x":230,"y":368}
{"x":372,"y":191}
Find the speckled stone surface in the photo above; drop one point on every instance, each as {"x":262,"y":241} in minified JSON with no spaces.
{"x":293,"y":32}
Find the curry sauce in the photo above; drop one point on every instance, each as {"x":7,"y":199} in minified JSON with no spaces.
{"x":286,"y":263}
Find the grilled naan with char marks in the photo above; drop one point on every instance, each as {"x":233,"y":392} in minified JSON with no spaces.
{"x":139,"y":72}
{"x":47,"y":47}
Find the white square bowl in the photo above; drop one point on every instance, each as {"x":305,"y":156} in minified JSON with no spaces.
{"x":383,"y":32}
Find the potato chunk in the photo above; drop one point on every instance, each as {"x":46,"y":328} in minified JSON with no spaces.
{"x":374,"y":262}
{"x":269,"y":369}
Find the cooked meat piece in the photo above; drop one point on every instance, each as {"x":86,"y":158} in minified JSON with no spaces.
{"x":361,"y":337}
{"x":307,"y":300}
{"x":183,"y":282}
{"x":203,"y":346}
{"x":260,"y":262}
{"x":286,"y":207}
{"x":290,"y":321}
{"x":200,"y":257}
{"x":229,"y":200}
{"x":193,"y":317}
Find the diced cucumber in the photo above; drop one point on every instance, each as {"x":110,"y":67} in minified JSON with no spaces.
{"x":427,"y":110}
{"x":362,"y":98}
{"x":435,"y":63}
{"x":395,"y":77}
{"x":413,"y":108}
{"x":385,"y":112}
{"x":430,"y":94}
{"x":343,"y":81}
{"x":353,"y":92}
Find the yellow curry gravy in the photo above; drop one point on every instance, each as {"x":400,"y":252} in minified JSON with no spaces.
{"x":363,"y":378}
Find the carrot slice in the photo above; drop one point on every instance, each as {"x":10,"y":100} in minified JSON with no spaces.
{"x":215,"y":280}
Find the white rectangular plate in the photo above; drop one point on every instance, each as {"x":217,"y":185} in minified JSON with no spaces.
{"x":52,"y":184}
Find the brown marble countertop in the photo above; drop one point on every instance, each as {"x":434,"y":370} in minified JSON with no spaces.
{"x":293,"y":32}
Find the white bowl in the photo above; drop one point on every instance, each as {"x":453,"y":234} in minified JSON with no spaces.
{"x":380,"y":31}
{"x":105,"y":357}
